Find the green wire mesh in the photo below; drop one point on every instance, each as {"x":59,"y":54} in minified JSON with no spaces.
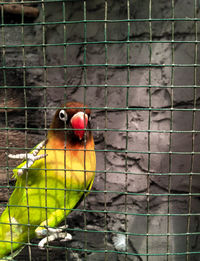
{"x":136,"y":65}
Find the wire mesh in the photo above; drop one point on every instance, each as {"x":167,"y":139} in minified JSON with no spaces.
{"x":135,"y":64}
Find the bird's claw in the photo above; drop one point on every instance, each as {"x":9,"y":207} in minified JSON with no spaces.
{"x":30,"y":158}
{"x":52,"y":234}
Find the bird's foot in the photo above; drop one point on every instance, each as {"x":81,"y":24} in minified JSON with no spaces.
{"x":51,"y":234}
{"x":30,"y":158}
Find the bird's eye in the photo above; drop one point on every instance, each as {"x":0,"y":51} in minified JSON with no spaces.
{"x":63,"y":115}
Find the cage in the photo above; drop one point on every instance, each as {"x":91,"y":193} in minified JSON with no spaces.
{"x":135,"y":64}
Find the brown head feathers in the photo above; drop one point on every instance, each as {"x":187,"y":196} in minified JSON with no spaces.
{"x":71,"y":123}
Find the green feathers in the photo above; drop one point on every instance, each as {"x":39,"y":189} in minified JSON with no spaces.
{"x":49,"y":185}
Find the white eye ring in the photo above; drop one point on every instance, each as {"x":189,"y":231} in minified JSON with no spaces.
{"x":63,"y":115}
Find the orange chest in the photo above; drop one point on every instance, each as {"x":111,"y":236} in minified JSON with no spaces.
{"x":74,"y":161}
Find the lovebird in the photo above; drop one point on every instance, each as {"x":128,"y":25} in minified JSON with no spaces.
{"x":51,"y":181}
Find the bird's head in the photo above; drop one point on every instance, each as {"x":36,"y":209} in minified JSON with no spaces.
{"x":71,"y":122}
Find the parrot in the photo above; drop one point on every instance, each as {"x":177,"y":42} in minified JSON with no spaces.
{"x":50,"y":182}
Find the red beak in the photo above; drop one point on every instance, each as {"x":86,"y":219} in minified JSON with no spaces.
{"x":79,"y":122}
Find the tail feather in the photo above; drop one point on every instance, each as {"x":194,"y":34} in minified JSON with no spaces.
{"x":11,"y":235}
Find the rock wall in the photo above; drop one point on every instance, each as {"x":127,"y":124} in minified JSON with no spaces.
{"x":151,"y":145}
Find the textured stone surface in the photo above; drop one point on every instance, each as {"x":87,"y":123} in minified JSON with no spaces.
{"x":140,"y":149}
